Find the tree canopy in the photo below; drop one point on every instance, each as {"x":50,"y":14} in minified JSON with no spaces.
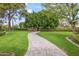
{"x":68,"y":11}
{"x":42,"y":20}
{"x":10,"y":10}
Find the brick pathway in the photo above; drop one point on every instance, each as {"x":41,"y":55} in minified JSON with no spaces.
{"x":39,"y":46}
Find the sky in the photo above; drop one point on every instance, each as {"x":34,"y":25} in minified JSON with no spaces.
{"x":34,"y":7}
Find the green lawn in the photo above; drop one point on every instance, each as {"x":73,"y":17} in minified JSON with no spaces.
{"x":15,"y":41}
{"x":58,"y":38}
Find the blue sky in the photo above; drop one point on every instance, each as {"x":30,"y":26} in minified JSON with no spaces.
{"x":34,"y":7}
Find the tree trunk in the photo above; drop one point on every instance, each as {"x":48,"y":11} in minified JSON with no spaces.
{"x":9,"y":23}
{"x":73,"y":29}
{"x":12,"y":25}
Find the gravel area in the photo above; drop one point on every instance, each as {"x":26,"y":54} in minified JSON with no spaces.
{"x":39,"y":46}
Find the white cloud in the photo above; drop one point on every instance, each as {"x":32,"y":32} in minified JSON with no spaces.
{"x":29,"y":10}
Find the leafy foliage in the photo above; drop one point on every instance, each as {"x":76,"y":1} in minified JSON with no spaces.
{"x":10,"y":10}
{"x":42,"y":20}
{"x":68,"y":11}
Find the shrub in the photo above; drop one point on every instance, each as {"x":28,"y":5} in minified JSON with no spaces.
{"x":4,"y":27}
{"x":77,"y":29}
{"x":2,"y":33}
{"x":63,"y":29}
{"x":75,"y":38}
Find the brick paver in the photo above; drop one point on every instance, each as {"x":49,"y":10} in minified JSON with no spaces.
{"x":39,"y":46}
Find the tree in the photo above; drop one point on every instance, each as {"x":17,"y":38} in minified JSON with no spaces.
{"x":68,"y":11}
{"x":42,"y":20}
{"x":58,"y":9}
{"x":9,"y":11}
{"x":72,"y":15}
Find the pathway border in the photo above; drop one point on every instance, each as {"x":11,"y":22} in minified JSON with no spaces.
{"x":72,"y":42}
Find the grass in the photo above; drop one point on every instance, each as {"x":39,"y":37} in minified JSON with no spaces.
{"x":58,"y":38}
{"x":15,"y":41}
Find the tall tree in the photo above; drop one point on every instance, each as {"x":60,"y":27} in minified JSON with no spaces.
{"x":10,"y":10}
{"x":73,"y":10}
{"x":68,"y":11}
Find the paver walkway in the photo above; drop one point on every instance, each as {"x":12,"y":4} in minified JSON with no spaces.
{"x":39,"y":46}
